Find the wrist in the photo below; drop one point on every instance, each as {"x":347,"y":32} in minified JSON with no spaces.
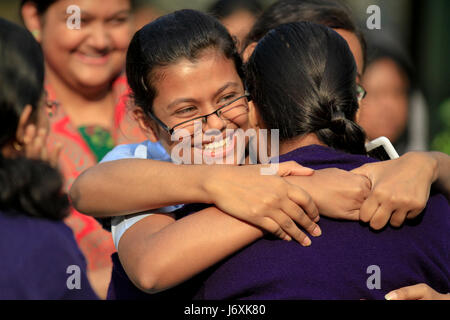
{"x":308,"y":185}
{"x":210,"y":175}
{"x":439,"y":164}
{"x":430,"y":161}
{"x":193,"y":182}
{"x":434,"y":165}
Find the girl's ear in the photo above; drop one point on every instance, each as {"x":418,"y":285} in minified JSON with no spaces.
{"x":358,"y":112}
{"x":148,"y":127}
{"x":248,"y":51}
{"x":24,"y":121}
{"x":32,"y":20}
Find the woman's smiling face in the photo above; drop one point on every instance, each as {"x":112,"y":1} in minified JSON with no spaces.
{"x":188,"y":89}
{"x":93,"y":55}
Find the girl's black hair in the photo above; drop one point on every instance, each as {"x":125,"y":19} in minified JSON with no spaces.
{"x":166,"y":40}
{"x":32,"y":187}
{"x":21,"y":77}
{"x":331,"y":13}
{"x":26,"y":186}
{"x":301,"y":77}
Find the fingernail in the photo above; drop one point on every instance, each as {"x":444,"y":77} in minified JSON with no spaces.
{"x":317,"y":231}
{"x":287,"y":238}
{"x":391,"y":296}
{"x":306,"y":242}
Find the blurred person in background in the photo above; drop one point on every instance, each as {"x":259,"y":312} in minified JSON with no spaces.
{"x":36,"y":247}
{"x":144,"y":11}
{"x":333,"y":14}
{"x":394,"y":107}
{"x":83,"y":76}
{"x":238,"y":16}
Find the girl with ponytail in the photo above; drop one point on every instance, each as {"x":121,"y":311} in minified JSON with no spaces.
{"x":301,"y":77}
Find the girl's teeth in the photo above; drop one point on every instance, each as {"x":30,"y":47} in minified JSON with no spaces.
{"x":218,"y":144}
{"x":93,"y":55}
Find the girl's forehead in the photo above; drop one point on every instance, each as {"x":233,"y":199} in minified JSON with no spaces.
{"x":93,"y":8}
{"x":199,"y":82}
{"x":206,"y":71}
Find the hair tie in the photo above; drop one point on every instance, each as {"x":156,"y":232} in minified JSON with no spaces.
{"x":338,"y":121}
{"x":338,"y":115}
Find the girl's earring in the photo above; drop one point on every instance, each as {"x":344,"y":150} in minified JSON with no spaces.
{"x":17,"y":146}
{"x":36,"y":34}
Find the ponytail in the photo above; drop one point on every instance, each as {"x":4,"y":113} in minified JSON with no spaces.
{"x":339,"y":132}
{"x":32,"y":187}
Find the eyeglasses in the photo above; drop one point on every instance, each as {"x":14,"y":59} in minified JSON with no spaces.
{"x":229,"y":111}
{"x":360,"y":92}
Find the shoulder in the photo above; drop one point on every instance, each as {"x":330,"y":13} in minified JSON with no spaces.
{"x":321,"y":157}
{"x":37,"y":238}
{"x":37,"y":254}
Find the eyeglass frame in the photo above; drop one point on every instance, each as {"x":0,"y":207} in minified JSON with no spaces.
{"x":204,"y":117}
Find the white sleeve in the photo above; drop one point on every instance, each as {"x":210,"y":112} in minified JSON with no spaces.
{"x":121,"y":224}
{"x":123,"y":151}
{"x":144,"y":150}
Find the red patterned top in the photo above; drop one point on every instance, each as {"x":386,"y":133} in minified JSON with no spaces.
{"x":76,"y":156}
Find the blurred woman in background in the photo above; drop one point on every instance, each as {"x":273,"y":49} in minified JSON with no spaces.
{"x":238,"y":16}
{"x":83,"y":76}
{"x":394,"y":106}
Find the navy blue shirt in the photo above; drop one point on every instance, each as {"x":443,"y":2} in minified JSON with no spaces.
{"x":40,"y":260}
{"x":340,"y":263}
{"x":348,"y":261}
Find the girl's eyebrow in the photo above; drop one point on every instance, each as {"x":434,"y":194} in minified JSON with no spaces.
{"x":180,"y":100}
{"x":219,"y":91}
{"x":226,"y":86}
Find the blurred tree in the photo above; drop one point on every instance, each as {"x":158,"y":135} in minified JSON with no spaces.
{"x":441,"y":141}
{"x":10,"y":10}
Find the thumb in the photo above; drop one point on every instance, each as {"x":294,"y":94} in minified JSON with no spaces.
{"x":292,"y":168}
{"x":415,"y":292}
